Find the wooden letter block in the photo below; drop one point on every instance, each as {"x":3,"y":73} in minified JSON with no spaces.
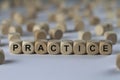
{"x":30,"y":26}
{"x":84,"y":35}
{"x":79,"y":47}
{"x":92,"y":47}
{"x":66,"y":47}
{"x":53,"y":47}
{"x":40,"y":34}
{"x":55,"y":34}
{"x":2,"y":56}
{"x":28,"y":47}
{"x":13,"y":36}
{"x":105,"y":47}
{"x":15,"y":46}
{"x":101,"y":29}
{"x":110,"y":35}
{"x":118,"y":61}
{"x":41,"y":47}
{"x":79,"y":26}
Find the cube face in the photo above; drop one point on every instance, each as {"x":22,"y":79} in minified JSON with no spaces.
{"x":15,"y":47}
{"x":105,"y":47}
{"x":79,"y":47}
{"x":53,"y":47}
{"x":92,"y":47}
{"x":66,"y":47}
{"x":41,"y":47}
{"x":28,"y":47}
{"x":2,"y":57}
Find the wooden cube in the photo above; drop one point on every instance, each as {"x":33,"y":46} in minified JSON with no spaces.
{"x":118,"y":23}
{"x":112,"y":36}
{"x":105,"y":47}
{"x":40,"y":34}
{"x":55,"y":34}
{"x":87,"y":13}
{"x":7,"y":22}
{"x":102,"y":28}
{"x":62,"y":26}
{"x":18,"y":18}
{"x":30,"y":26}
{"x":41,"y":47}
{"x":15,"y":46}
{"x":79,"y":47}
{"x":84,"y":35}
{"x":2,"y":56}
{"x":5,"y":5}
{"x":79,"y":26}
{"x":92,"y":47}
{"x":118,"y":61}
{"x":31,"y":12}
{"x":53,"y":47}
{"x":77,"y":18}
{"x":13,"y":36}
{"x":118,"y":13}
{"x":66,"y":47}
{"x":36,"y":28}
{"x":111,"y":14}
{"x":45,"y":27}
{"x":94,"y":20}
{"x":16,"y":29}
{"x":60,"y":17}
{"x":52,"y":17}
{"x":4,"y":29}
{"x":28,"y":47}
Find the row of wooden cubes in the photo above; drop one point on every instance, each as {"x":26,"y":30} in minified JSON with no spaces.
{"x":65,"y":47}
